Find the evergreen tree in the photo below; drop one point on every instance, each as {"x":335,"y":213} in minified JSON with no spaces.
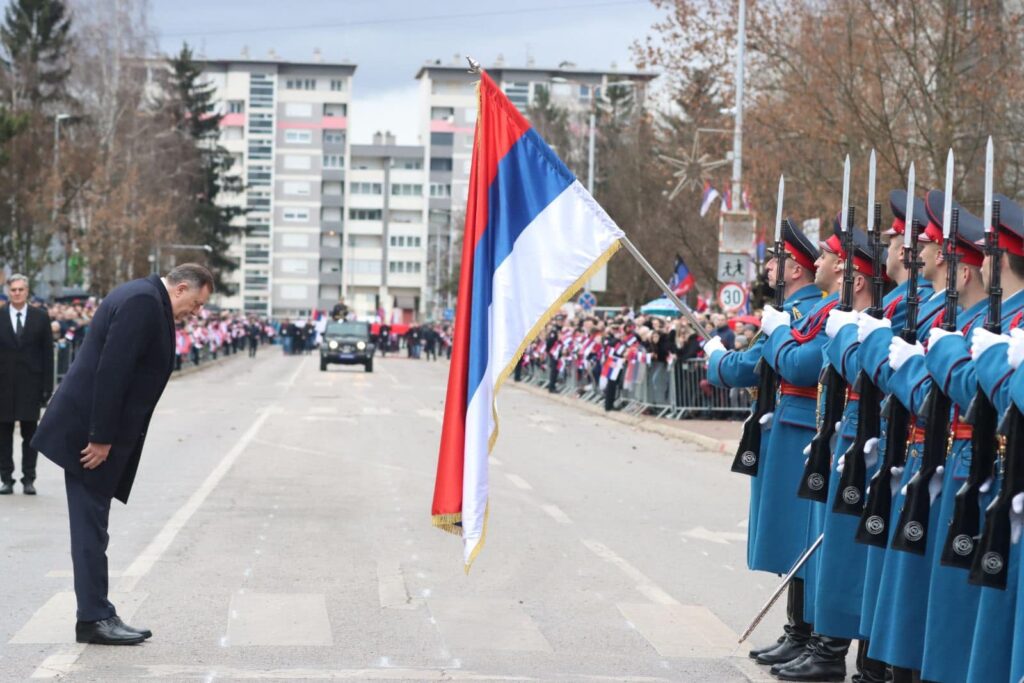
{"x":190,"y":103}
{"x":35,"y":37}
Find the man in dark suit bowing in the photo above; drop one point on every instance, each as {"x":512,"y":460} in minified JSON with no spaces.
{"x":26,"y":380}
{"x":96,"y":424}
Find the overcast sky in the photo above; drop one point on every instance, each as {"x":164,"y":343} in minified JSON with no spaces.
{"x":390,"y":39}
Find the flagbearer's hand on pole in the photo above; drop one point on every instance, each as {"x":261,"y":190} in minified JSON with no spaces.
{"x":94,"y":455}
{"x":712,"y":345}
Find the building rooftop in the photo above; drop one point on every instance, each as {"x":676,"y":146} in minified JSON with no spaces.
{"x":566,"y":70}
{"x":277,"y":62}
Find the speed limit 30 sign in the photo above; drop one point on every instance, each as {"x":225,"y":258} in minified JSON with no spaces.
{"x":731,"y":297}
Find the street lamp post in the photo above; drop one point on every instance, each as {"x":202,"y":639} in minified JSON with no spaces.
{"x":57,"y":119}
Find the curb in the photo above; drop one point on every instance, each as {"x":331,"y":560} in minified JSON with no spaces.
{"x":644,"y":422}
{"x":192,"y":369}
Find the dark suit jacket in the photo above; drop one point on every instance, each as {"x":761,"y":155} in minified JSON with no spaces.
{"x":113,"y":386}
{"x":26,"y":365}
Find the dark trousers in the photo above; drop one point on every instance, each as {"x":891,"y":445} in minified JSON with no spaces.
{"x":552,"y":375}
{"x":29,"y":455}
{"x":611,"y":391}
{"x":253,"y":345}
{"x":89,"y":513}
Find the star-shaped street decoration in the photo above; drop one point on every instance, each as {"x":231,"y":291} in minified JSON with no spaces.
{"x":693,"y":168}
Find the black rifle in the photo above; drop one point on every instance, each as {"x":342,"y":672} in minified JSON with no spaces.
{"x":965,"y":526}
{"x":850,"y":500}
{"x":874,"y":520}
{"x":814,"y":482}
{"x":912,"y":530}
{"x":992,"y":558}
{"x":748,"y":454}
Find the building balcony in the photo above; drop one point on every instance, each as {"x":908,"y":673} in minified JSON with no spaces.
{"x":333,"y":253}
{"x":331,"y":278}
{"x":333,"y":174}
{"x":365,"y":228}
{"x":332,"y":200}
{"x":331,"y":226}
{"x":364,"y":280}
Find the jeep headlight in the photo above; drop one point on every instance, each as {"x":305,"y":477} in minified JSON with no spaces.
{"x":332,"y":345}
{"x":361,"y":345}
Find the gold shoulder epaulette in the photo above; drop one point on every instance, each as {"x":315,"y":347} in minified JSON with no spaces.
{"x":797,"y":314}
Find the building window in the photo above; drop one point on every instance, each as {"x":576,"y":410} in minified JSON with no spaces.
{"x":331,"y":188}
{"x":337,"y":84}
{"x":440,"y":190}
{"x":299,"y":188}
{"x":232,"y":133}
{"x":236,"y":106}
{"x":257,"y":254}
{"x":406,"y":241}
{"x":406,"y":267}
{"x":259,"y":175}
{"x":261,"y":91}
{"x":442,"y":113}
{"x":334,"y":161}
{"x":518,"y":94}
{"x":334,"y":137}
{"x":255,"y":228}
{"x":295,"y":215}
{"x":294,"y":265}
{"x":442,"y":139}
{"x":365,"y":214}
{"x":407,"y":164}
{"x":331,"y":213}
{"x":258,"y":201}
{"x":300,"y":84}
{"x":335,"y":109}
{"x":440,"y":164}
{"x":260,"y":123}
{"x":259,"y":149}
{"x":298,"y":137}
{"x":366,"y":188}
{"x":256,"y":280}
{"x":406,"y":190}
{"x":365,"y":266}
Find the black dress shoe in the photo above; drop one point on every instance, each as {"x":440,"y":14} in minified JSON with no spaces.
{"x":786,"y":651}
{"x":144,"y":632}
{"x":106,"y":632}
{"x":6,"y":489}
{"x":753,"y":654}
{"x":825,"y":660}
{"x":29,"y":488}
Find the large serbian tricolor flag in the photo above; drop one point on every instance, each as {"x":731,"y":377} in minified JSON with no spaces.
{"x":533,"y":238}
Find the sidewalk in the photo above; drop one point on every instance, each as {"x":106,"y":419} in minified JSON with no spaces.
{"x":717,"y":436}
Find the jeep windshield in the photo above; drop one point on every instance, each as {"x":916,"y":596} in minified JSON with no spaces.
{"x":347,"y":329}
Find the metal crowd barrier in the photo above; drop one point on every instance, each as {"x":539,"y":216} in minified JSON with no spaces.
{"x":676,"y":390}
{"x":64,"y":355}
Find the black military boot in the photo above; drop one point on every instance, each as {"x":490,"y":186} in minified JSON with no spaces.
{"x":808,"y":650}
{"x":826,"y":661}
{"x":798,"y":631}
{"x":869,"y":670}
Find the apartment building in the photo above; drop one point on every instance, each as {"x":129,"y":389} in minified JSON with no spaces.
{"x":385,"y":231}
{"x":286,"y":124}
{"x":448,"y":121}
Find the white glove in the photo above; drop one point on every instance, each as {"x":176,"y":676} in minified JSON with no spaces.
{"x":871,"y":452}
{"x":897,"y":477}
{"x":986,"y":485}
{"x":807,"y":453}
{"x":983,"y":340}
{"x":935,"y":484}
{"x":766,"y":420}
{"x":866,"y":324}
{"x":938,"y":333}
{"x":1015,"y":351}
{"x":1016,"y":517}
{"x":772,"y":318}
{"x":712,"y":345}
{"x":838,"y":319}
{"x":841,"y":464}
{"x":900,"y":352}
{"x":835,"y":438}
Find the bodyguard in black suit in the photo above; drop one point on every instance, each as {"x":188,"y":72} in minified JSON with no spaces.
{"x":26,"y":380}
{"x":96,"y":424}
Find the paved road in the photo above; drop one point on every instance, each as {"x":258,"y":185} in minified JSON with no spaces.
{"x":279,"y":529}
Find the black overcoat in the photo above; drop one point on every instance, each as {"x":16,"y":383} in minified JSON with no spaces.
{"x":113,"y":386}
{"x":26,"y":365}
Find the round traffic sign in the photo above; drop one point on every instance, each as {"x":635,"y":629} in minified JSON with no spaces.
{"x":731,"y":297}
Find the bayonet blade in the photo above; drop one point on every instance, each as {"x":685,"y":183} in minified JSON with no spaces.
{"x":947,"y":204}
{"x":909,"y":213}
{"x":988,"y":185}
{"x":778,"y":208}
{"x":846,"y":194}
{"x":870,"y":208}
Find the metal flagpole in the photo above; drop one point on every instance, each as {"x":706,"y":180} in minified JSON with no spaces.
{"x":683,"y":308}
{"x":778,"y":591}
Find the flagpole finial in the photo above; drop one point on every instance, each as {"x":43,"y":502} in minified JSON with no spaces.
{"x":474,"y":66}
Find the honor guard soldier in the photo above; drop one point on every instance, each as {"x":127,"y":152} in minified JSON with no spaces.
{"x":794,"y":350}
{"x":900,"y":615}
{"x":992,"y":645}
{"x":775,"y":513}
